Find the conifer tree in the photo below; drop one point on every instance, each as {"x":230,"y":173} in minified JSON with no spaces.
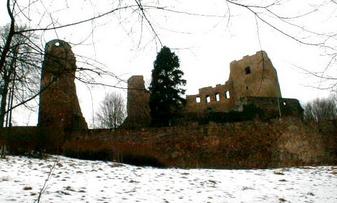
{"x":166,"y":88}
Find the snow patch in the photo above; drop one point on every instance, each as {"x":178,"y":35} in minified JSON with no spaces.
{"x":73,"y":180}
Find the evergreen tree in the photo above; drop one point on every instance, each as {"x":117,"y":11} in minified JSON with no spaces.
{"x":165,"y":88}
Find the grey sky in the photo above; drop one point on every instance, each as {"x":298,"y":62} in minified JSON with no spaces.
{"x":205,"y":44}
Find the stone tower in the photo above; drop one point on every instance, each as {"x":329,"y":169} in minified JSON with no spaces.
{"x":254,"y":76}
{"x":138,"y":103}
{"x":59,"y":106}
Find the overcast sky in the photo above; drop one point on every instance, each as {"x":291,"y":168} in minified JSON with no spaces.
{"x":205,"y":43}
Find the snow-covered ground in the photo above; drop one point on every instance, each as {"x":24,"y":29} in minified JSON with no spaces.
{"x":73,"y":180}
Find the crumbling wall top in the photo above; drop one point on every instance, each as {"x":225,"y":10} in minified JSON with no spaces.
{"x":57,"y":43}
{"x":258,"y":54}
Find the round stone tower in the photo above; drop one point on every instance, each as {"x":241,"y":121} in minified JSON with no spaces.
{"x":59,"y":106}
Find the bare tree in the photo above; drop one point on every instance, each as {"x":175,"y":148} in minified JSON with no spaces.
{"x":20,"y":75}
{"x":37,"y":12}
{"x":111,"y":113}
{"x":321,"y":109}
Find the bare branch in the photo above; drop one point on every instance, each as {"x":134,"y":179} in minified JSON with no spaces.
{"x":46,"y":181}
{"x":9,"y":37}
{"x":140,"y":6}
{"x":250,"y":8}
{"x":81,"y":21}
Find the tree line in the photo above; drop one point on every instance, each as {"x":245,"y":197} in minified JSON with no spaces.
{"x":321,"y":109}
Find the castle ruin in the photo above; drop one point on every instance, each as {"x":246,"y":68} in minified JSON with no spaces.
{"x":252,"y":80}
{"x":252,"y":144}
{"x":138,"y":109}
{"x":59,"y":106}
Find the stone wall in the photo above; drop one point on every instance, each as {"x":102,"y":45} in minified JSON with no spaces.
{"x":59,"y":106}
{"x":274,"y":107}
{"x":216,"y":98}
{"x":27,"y":140}
{"x":252,"y":144}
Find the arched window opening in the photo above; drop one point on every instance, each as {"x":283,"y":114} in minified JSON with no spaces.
{"x":227,"y":95}
{"x":247,"y":70}
{"x":217,"y":97}
{"x":208,"y":99}
{"x":197,"y":99}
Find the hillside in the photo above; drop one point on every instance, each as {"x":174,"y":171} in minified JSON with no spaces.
{"x":74,"y":180}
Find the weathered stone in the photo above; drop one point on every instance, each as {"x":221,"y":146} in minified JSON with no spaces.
{"x":59,"y":106}
{"x":137,"y":103}
{"x":252,"y":81}
{"x":253,"y":144}
{"x":254,"y":76}
{"x":216,"y":98}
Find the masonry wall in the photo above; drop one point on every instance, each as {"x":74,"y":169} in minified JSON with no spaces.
{"x":28,"y":140}
{"x":253,"y":144}
{"x":274,"y":107}
{"x":216,"y":99}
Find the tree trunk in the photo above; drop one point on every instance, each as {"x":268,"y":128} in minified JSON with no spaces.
{"x":9,"y":38}
{"x":7,"y":79}
{"x":4,"y":100}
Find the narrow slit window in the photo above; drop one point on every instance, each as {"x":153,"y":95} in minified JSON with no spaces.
{"x":247,"y":70}
{"x":217,"y":97}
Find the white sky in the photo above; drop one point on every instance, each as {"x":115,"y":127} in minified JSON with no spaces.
{"x":205,"y":45}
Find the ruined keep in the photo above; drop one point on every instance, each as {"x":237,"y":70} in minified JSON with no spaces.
{"x":252,"y":81}
{"x":59,"y":106}
{"x":252,"y":76}
{"x":138,"y":115}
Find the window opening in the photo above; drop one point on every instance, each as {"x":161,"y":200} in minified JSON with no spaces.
{"x":227,"y":95}
{"x":197,"y":99}
{"x":217,"y":97}
{"x":247,"y":70}
{"x":208,"y":99}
